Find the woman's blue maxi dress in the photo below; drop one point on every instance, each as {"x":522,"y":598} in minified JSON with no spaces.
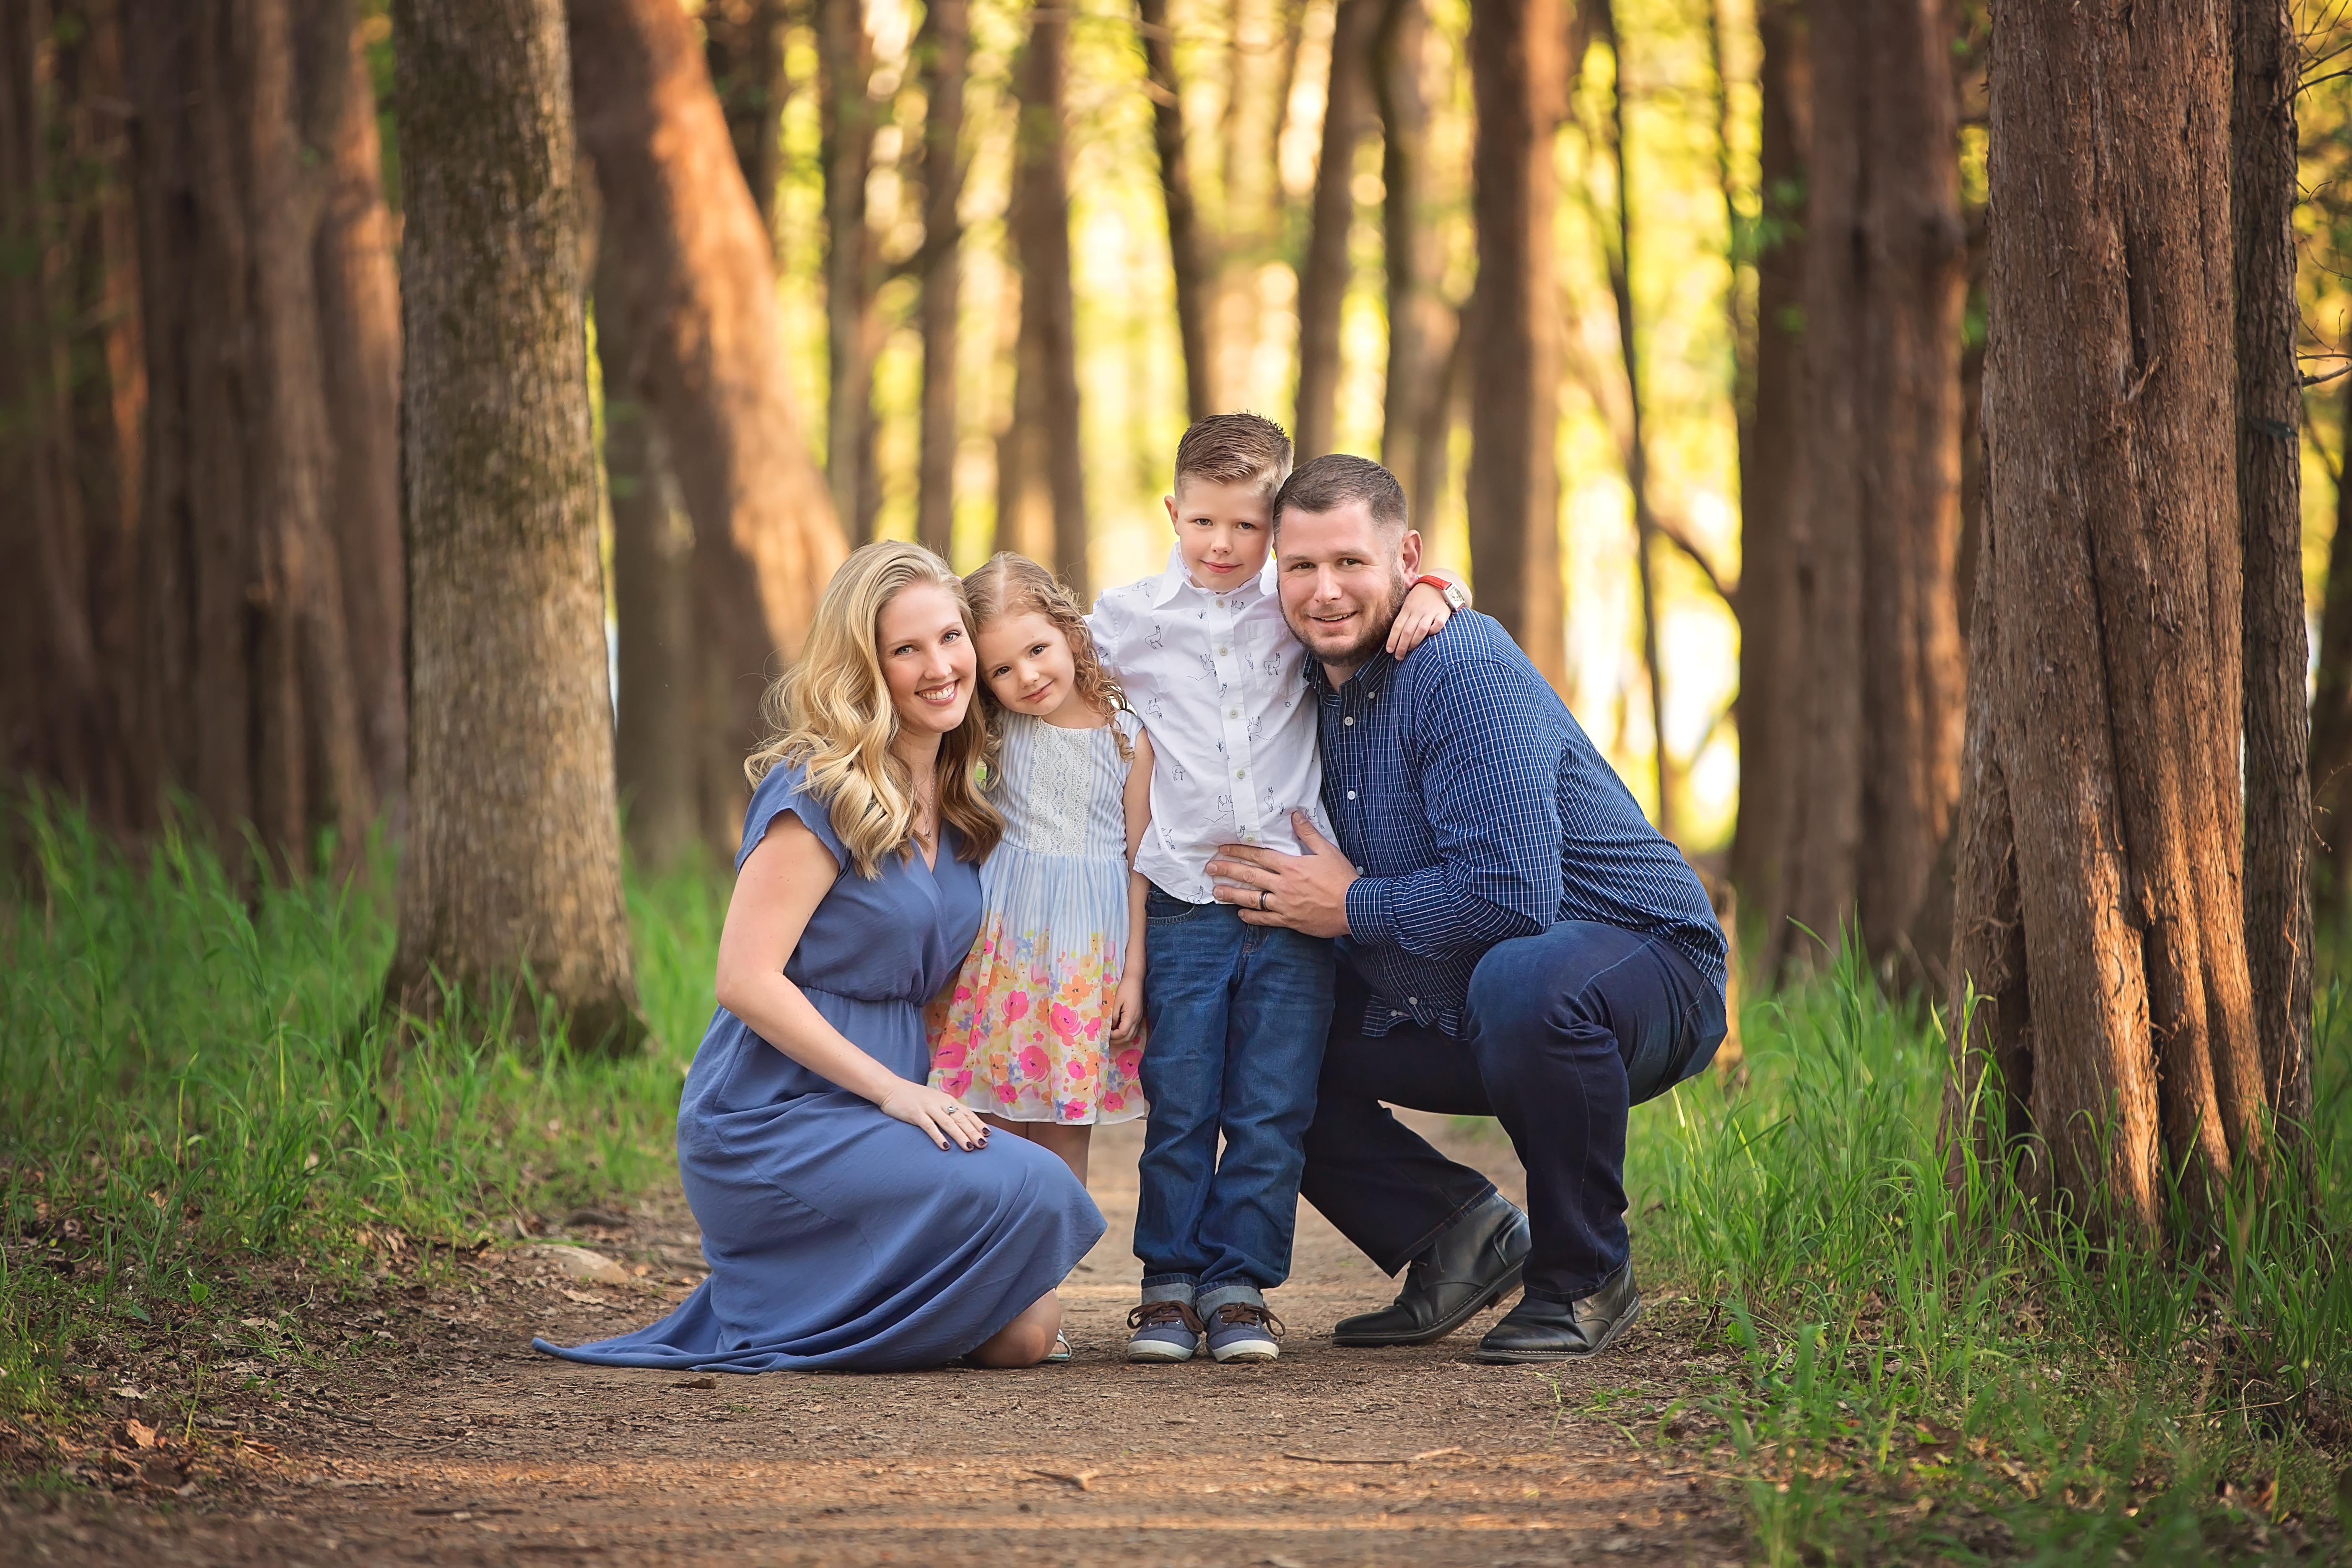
{"x":838,"y":1238}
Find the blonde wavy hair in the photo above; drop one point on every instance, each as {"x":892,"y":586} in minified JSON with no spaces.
{"x":831,"y":713}
{"x":1014,"y":584}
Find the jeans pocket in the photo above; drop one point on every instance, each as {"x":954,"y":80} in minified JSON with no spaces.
{"x":1164,"y":908}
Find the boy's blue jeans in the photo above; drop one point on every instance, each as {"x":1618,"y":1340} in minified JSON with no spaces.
{"x":1238,"y":1016}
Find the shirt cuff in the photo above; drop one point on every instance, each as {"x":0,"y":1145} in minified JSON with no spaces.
{"x":1370,"y":919}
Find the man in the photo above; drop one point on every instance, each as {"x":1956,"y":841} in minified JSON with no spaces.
{"x":1517,"y":941}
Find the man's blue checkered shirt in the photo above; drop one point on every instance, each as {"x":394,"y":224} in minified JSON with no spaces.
{"x":1476,"y":810}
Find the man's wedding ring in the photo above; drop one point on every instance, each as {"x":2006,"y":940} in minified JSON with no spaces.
{"x":1261,"y":898}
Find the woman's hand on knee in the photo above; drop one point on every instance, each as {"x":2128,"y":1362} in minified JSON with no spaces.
{"x":938,"y":1113}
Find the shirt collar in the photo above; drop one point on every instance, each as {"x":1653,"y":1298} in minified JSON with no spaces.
{"x":1370,"y":679}
{"x":1175,"y":580}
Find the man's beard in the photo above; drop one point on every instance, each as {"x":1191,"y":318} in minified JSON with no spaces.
{"x":1377,"y":625}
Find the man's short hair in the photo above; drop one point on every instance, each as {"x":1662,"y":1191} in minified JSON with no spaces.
{"x":1337,"y":480}
{"x":1234,"y":449}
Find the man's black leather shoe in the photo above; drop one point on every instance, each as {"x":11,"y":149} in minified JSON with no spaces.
{"x":1565,"y":1331}
{"x":1472,"y":1262}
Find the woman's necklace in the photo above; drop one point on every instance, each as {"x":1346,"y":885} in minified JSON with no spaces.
{"x":927,"y":816}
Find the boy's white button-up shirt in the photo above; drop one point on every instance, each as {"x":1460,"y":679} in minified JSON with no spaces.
{"x":1219,"y":683}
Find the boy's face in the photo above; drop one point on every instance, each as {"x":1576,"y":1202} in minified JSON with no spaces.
{"x":1223,"y":530}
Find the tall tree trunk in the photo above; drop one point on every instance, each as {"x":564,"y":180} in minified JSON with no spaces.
{"x":1323,"y":280}
{"x":662,"y":738}
{"x":1516,"y":72}
{"x":1637,"y":451}
{"x":1195,"y":278}
{"x":250,"y":701}
{"x":942,"y":50}
{"x":514,"y":855}
{"x":98,"y":288}
{"x":51,"y":706}
{"x":1771,"y":631}
{"x":743,"y":41}
{"x":2100,"y":928}
{"x":692,"y":291}
{"x":2269,"y":505}
{"x":844,"y":67}
{"x":2331,"y":701}
{"x":1878,"y":772}
{"x":1420,"y":329}
{"x":359,"y":334}
{"x":1040,"y":507}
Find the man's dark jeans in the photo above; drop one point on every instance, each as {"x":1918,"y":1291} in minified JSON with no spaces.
{"x":1566,"y":1030}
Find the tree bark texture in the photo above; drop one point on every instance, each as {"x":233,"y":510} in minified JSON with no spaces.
{"x":2100,"y":925}
{"x":744,"y":42}
{"x":1517,"y":74}
{"x":1771,"y":634}
{"x":1187,"y":246}
{"x":1348,"y":108}
{"x":2270,"y":509}
{"x":848,"y":117}
{"x":942,"y":50}
{"x":514,"y":852}
{"x":1041,"y":506}
{"x":1421,"y":328}
{"x":688,"y":286}
{"x":63,"y":718}
{"x":1878,"y":526}
{"x":359,"y":333}
{"x":665,"y":736}
{"x":249,"y":698}
{"x":2331,"y":701}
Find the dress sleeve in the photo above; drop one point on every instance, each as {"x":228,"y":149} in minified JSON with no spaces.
{"x":783,"y":791}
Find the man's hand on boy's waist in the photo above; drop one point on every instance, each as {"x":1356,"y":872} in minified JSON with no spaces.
{"x":1306,"y":892}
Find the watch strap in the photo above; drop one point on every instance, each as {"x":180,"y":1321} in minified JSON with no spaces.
{"x":1454,"y":597}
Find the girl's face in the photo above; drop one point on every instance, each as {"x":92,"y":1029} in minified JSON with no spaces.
{"x":1026,"y":662}
{"x":927,"y":659}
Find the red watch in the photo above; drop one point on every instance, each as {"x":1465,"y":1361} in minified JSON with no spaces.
{"x":1456,"y":596}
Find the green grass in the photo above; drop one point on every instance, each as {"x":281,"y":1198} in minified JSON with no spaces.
{"x":193,"y":1085}
{"x":1903,"y":1383}
{"x":192,"y":1105}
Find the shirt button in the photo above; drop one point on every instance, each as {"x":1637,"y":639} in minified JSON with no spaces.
{"x":1233,"y":712}
{"x":1224,"y":650}
{"x":1352,"y":794}
{"x":1348,"y":720}
{"x":1412,"y":1000}
{"x":1241,"y":772}
{"x":1361,"y":872}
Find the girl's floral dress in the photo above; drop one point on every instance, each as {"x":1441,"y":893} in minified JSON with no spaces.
{"x":1024,"y":1032}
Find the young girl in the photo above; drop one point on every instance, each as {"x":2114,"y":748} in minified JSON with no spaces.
{"x":1043,"y":1028}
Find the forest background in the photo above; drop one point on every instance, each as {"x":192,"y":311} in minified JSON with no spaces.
{"x":294,"y":412}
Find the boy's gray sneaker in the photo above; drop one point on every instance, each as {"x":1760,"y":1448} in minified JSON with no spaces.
{"x":1164,"y":1331}
{"x":1243,"y":1331}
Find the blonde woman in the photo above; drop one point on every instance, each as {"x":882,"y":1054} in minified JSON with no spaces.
{"x":853,"y":1215}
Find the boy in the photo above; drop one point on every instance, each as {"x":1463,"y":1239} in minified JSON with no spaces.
{"x":1236,"y":1013}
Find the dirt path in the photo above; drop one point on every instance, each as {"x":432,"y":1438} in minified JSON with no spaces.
{"x":454,"y":1443}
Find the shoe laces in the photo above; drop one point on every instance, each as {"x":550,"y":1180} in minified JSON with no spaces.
{"x":1158,"y":1314}
{"x":1241,"y":1312}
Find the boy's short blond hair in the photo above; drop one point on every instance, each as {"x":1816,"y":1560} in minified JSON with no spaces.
{"x":1234,"y":449}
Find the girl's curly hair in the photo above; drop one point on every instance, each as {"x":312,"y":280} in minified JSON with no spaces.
{"x":1014,"y":584}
